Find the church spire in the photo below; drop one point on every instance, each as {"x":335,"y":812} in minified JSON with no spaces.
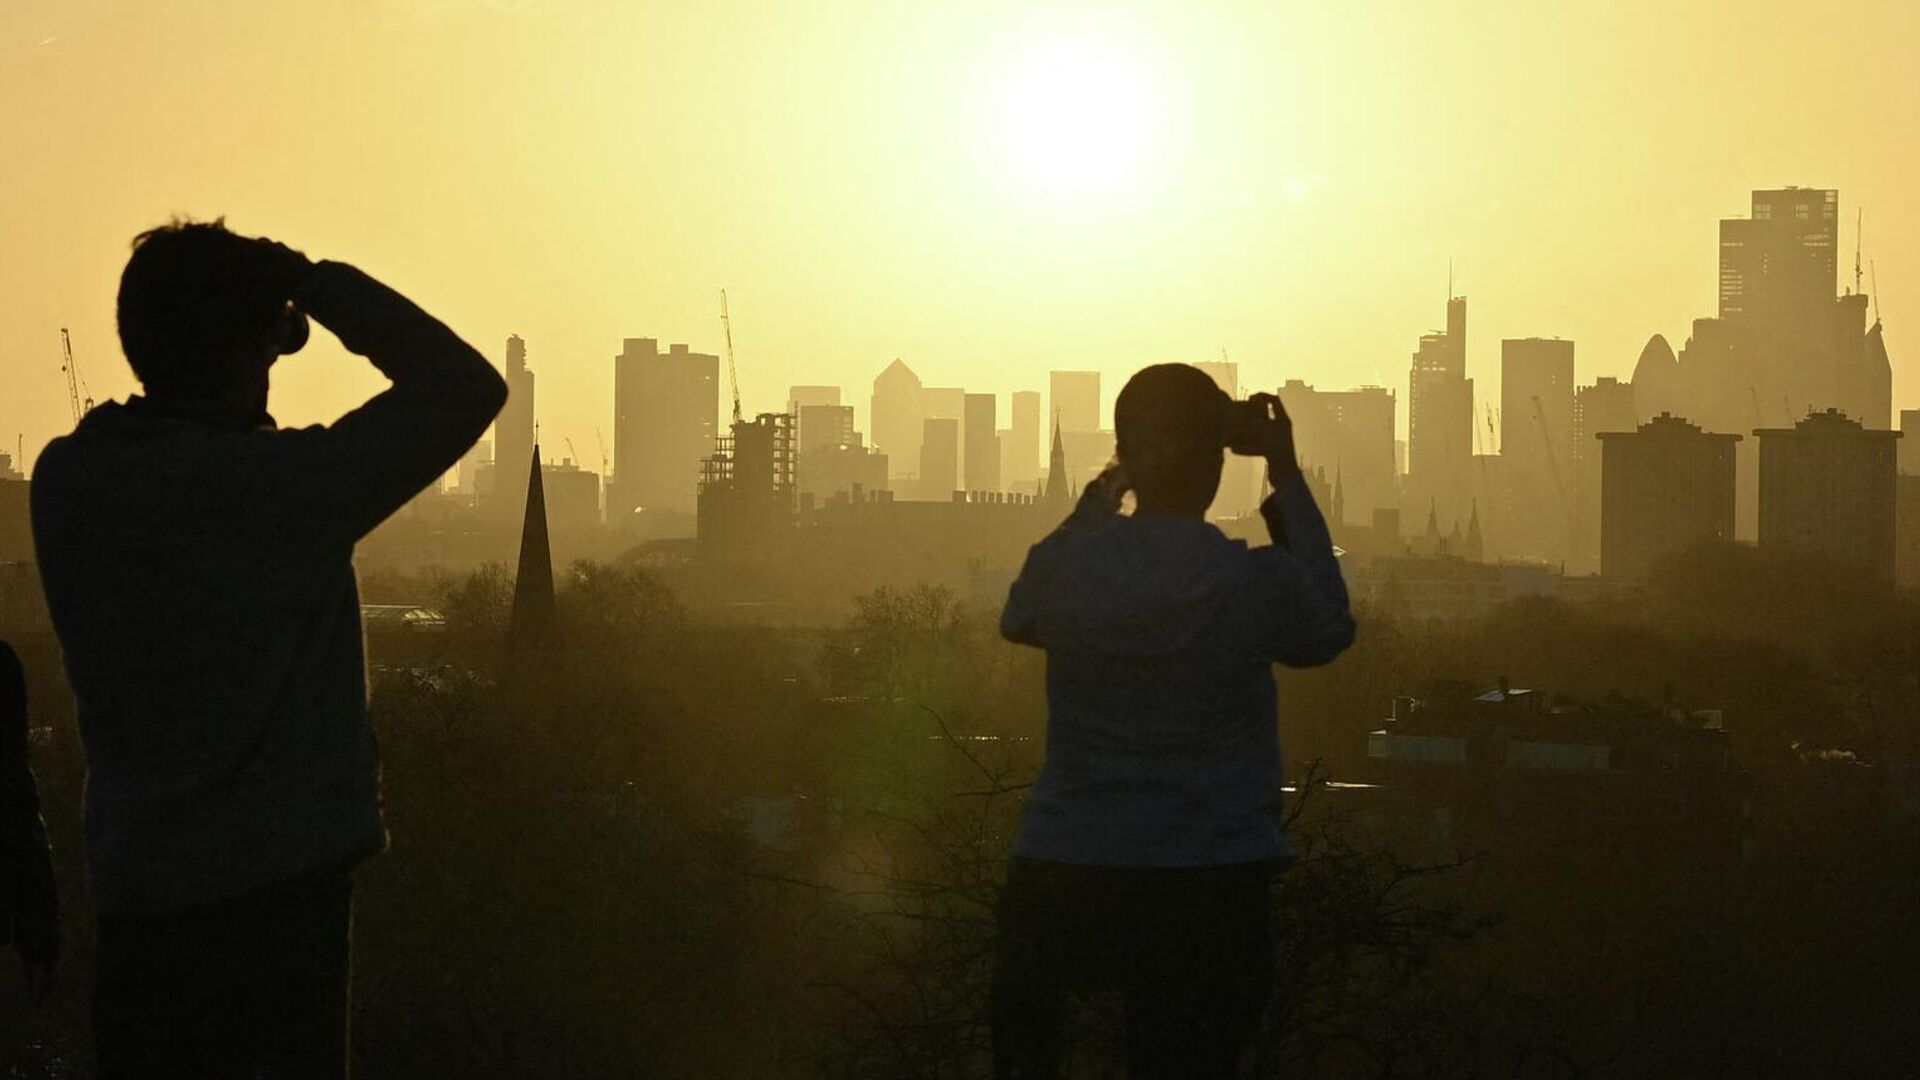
{"x":1057,"y":467}
{"x":531,"y":623}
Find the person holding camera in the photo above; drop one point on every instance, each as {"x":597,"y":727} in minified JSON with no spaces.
{"x":197,"y":562}
{"x":1145,"y":859}
{"x":29,"y":897}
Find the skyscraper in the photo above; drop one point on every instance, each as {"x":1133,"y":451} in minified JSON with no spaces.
{"x":1607,"y":405}
{"x":1536,"y":446}
{"x":800,"y":397}
{"x":666,"y":414}
{"x":1020,"y":450}
{"x":1779,"y":263}
{"x":513,"y":435}
{"x":1827,"y":486}
{"x":1663,"y":486}
{"x":939,"y":459}
{"x":1440,"y":418}
{"x":896,"y":416}
{"x":982,"y":438}
{"x":1076,"y":400}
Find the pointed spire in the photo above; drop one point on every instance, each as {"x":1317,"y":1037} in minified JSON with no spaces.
{"x":1433,"y":520}
{"x":532,"y":621}
{"x":1339,"y":494}
{"x":1057,"y":491}
{"x":1473,"y":521}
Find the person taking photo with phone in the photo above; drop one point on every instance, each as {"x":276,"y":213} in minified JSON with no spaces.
{"x":1146,"y":856}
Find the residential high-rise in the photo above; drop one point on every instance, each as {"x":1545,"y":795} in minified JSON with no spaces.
{"x":1827,"y":485}
{"x":666,"y":415}
{"x":1076,"y":400}
{"x":981,"y":459}
{"x":513,"y":435}
{"x":1663,"y":486}
{"x":939,"y":459}
{"x":1440,"y":418}
{"x":1020,"y":449}
{"x":896,"y":416}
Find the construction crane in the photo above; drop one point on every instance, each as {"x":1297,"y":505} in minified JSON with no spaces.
{"x":733,"y":373}
{"x":575,"y":453}
{"x":79,"y":398}
{"x":606,"y":467}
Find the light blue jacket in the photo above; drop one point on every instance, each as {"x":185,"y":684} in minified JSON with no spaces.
{"x":1163,"y":744}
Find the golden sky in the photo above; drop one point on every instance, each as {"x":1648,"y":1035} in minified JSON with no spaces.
{"x":1287,"y":181}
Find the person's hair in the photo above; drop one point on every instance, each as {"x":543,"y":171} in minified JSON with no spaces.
{"x":196,"y":300}
{"x":1167,"y":424}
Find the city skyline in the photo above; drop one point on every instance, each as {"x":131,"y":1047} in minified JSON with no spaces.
{"x":1320,"y":262}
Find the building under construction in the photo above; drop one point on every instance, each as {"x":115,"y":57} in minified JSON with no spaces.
{"x":747,"y":493}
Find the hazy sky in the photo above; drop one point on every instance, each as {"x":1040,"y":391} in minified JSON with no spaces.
{"x":1287,"y":181}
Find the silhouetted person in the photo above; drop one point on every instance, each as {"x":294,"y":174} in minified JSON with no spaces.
{"x":1145,"y":860}
{"x":197,"y":563}
{"x":29,"y":901}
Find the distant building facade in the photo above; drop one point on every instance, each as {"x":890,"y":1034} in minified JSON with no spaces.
{"x":1605,"y":406}
{"x":513,"y":436}
{"x":895,"y":417}
{"x":981,"y":458}
{"x":1827,"y":485}
{"x":1020,"y":443}
{"x":1440,"y":422}
{"x":1075,"y":400}
{"x":939,"y":459}
{"x":1349,"y":434}
{"x":1664,"y":486}
{"x":1536,"y":445}
{"x":666,"y":416}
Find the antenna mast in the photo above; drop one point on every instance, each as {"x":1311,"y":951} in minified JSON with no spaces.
{"x":733,"y":373}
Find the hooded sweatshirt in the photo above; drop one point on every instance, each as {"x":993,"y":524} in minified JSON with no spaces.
{"x":199,"y":574}
{"x":1163,"y":744}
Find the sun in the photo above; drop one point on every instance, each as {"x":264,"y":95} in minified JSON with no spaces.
{"x":1078,"y":115}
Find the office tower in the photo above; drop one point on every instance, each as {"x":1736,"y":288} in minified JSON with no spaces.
{"x":1827,"y":486}
{"x":666,"y":414}
{"x":1020,"y":450}
{"x":1656,"y":384}
{"x":1779,"y":262}
{"x":1607,"y":405}
{"x":1349,"y":435}
{"x":513,"y":435}
{"x":1076,"y":400}
{"x":1440,"y":430}
{"x":832,"y":458}
{"x":981,"y":437}
{"x":1664,"y":486}
{"x":824,"y":425}
{"x":939,"y":459}
{"x":896,"y":416}
{"x":1536,"y":445}
{"x":800,"y":397}
{"x":1782,"y":344}
{"x":1909,"y":456}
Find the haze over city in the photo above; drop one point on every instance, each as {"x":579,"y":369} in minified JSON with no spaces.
{"x":987,"y":191}
{"x":853,"y":541}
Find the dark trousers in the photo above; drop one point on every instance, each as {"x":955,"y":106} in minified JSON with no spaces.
{"x":254,"y":987}
{"x":1189,"y":949}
